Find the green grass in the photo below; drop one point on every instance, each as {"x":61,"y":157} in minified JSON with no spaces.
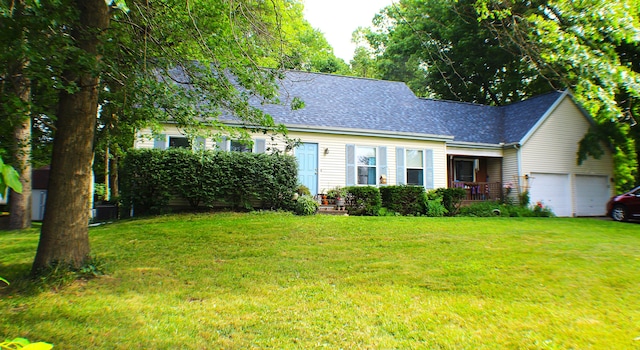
{"x":237,"y":281}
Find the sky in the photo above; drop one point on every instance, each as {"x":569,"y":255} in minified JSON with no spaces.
{"x":337,"y":19}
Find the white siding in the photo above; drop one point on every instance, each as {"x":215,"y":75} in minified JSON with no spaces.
{"x":332,"y":162}
{"x":510,"y":172}
{"x":553,"y":149}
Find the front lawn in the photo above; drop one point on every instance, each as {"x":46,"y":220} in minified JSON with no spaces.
{"x":237,"y":281}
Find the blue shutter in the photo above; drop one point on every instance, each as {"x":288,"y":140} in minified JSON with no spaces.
{"x":222,"y":144}
{"x":401,"y":175}
{"x":428,"y":168}
{"x":382,"y":164}
{"x":351,"y":165}
{"x":160,"y":141}
{"x":260,"y":145}
{"x":200,"y":144}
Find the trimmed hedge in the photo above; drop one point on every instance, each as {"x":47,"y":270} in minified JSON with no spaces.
{"x":405,"y":200}
{"x":151,"y":178}
{"x":363,"y":200}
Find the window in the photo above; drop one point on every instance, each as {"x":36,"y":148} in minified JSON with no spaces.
{"x":415,"y":167}
{"x":179,"y":142}
{"x":464,"y":170}
{"x":366,"y":164}
{"x":237,"y":146}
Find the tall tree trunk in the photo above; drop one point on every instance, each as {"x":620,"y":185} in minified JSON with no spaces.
{"x":115,"y":189}
{"x":20,"y":203}
{"x":64,"y":238}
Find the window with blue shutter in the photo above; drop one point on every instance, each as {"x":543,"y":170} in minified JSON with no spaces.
{"x":351,"y":165}
{"x":428,"y":168}
{"x":400,"y":169}
{"x":260,"y":146}
{"x":160,"y":141}
{"x":222,"y":144}
{"x":382,"y":165}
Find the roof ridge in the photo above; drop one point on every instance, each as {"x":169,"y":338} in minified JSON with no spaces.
{"x":333,"y":75}
{"x":455,"y":102}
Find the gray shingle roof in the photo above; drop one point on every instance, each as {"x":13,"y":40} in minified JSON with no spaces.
{"x":333,"y":101}
{"x":520,"y":117}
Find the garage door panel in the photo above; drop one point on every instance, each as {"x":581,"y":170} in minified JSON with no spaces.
{"x":553,"y":190}
{"x":592,"y":194}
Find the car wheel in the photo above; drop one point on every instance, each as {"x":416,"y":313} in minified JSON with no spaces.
{"x":619,"y":213}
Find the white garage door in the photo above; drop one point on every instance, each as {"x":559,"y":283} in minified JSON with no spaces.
{"x":553,"y":190}
{"x":592,"y":194}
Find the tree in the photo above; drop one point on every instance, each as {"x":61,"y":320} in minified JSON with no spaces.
{"x":16,"y":92}
{"x":590,"y":47}
{"x":187,"y":62}
{"x":497,"y":52}
{"x":64,"y":238}
{"x":441,"y":50}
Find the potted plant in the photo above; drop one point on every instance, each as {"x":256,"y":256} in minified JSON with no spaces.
{"x":338,"y":194}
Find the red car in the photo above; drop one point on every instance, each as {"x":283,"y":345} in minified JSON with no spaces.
{"x":625,"y":206}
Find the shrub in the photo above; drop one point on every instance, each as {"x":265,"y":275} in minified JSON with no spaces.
{"x":303,"y":190}
{"x":145,"y":182}
{"x":435,"y":208}
{"x":151,"y":178}
{"x":406,"y":200}
{"x":363,"y":200}
{"x":484,"y":209}
{"x":306,"y":205}
{"x":451,"y":199}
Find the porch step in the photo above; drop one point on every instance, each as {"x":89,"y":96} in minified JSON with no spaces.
{"x":331,"y":210}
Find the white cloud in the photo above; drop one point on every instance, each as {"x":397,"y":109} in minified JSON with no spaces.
{"x":337,"y":19}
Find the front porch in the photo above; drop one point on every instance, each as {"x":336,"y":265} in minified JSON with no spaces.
{"x":480,"y":177}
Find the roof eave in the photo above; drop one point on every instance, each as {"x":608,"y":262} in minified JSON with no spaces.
{"x":368,"y":132}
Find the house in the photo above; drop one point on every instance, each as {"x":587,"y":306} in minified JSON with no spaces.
{"x":357,"y":131}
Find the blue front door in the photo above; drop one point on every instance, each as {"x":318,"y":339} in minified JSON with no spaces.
{"x":307,"y":155}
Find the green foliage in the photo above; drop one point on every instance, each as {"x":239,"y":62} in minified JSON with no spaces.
{"x":145,"y":182}
{"x":489,"y":209}
{"x":306,"y":205}
{"x":9,"y":177}
{"x":451,"y":199}
{"x":524,"y":199}
{"x":303,"y":190}
{"x":4,"y":281}
{"x":59,"y":275}
{"x":337,"y":192}
{"x":151,"y":178}
{"x":24,"y":344}
{"x":363,"y":200}
{"x":406,"y":200}
{"x":435,"y":207}
{"x":496,"y":52}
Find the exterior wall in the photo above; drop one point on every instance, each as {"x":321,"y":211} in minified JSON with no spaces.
{"x":510,"y":171}
{"x":553,"y":148}
{"x":332,"y":162}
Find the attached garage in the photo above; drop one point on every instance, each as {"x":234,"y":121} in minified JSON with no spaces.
{"x":592,"y":194}
{"x":553,"y":191}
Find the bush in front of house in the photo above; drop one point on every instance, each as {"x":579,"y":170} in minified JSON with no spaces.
{"x":151,"y":178}
{"x":487,"y":209}
{"x":363,"y":200}
{"x":451,"y":199}
{"x":435,"y":207}
{"x":145,"y":182}
{"x":306,"y":205}
{"x":405,"y":200}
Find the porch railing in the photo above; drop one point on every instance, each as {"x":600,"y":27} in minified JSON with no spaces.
{"x":481,"y":191}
